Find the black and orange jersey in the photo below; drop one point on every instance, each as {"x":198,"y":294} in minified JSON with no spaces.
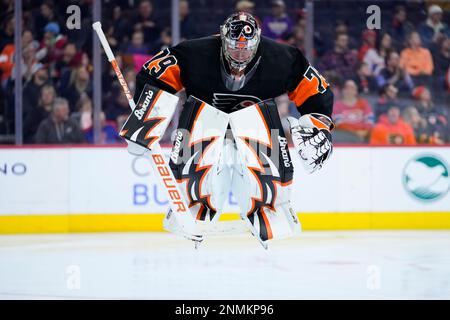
{"x":195,"y":66}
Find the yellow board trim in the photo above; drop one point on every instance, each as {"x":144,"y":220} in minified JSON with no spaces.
{"x":153,"y":222}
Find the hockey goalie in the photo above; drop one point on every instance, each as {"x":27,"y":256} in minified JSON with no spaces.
{"x":230,"y":136}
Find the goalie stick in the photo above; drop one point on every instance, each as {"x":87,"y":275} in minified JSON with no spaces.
{"x":155,"y":156}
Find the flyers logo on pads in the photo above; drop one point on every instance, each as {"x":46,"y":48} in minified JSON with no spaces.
{"x":233,"y":102}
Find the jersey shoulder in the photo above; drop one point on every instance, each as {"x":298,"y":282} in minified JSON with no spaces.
{"x":302,"y":80}
{"x":284,"y":62}
{"x":190,"y":49}
{"x":209,"y":41}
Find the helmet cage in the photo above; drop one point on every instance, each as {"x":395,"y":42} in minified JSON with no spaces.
{"x":240,"y":39}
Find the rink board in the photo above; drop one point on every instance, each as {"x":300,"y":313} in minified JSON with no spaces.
{"x":86,"y":189}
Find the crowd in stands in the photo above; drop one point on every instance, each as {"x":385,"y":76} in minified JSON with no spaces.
{"x":391,"y":86}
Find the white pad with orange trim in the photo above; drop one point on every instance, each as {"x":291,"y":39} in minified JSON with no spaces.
{"x":253,"y":162}
{"x":263,"y":175}
{"x":199,"y":161}
{"x":200,"y":178}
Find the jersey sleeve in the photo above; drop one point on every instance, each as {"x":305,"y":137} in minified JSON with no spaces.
{"x":308,"y":89}
{"x":162,"y":71}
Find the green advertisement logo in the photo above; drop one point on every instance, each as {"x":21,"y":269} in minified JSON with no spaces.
{"x":426,"y":178}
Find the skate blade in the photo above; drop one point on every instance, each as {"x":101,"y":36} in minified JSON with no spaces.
{"x":197,"y":243}
{"x":255,"y":233}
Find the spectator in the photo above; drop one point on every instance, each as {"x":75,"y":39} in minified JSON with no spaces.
{"x":164,"y":41}
{"x":137,"y":45}
{"x":298,"y":37}
{"x":110,"y":34}
{"x":38,"y":113}
{"x":423,"y":97}
{"x":29,"y":62}
{"x":108,"y":135}
{"x":58,"y":128}
{"x":6,"y":64}
{"x":188,"y":27}
{"x":388,"y":98}
{"x":375,"y":57}
{"x":119,"y":107}
{"x":130,"y":77}
{"x":417,"y":122}
{"x":436,"y":117}
{"x":278,"y":23}
{"x":45,"y":16}
{"x":438,"y":134}
{"x":245,"y":6}
{"x":364,"y":79}
{"x":394,"y":74}
{"x":28,"y":39}
{"x":7,"y":32}
{"x":441,"y":59}
{"x":391,"y":129}
{"x":341,"y":59}
{"x":353,"y":115}
{"x":416,"y":59}
{"x":79,"y":86}
{"x":119,"y":28}
{"x":69,"y":60}
{"x":320,"y":46}
{"x":447,"y":83}
{"x":83,"y":115}
{"x":341,"y":27}
{"x":369,"y":38}
{"x":52,"y":45}
{"x":32,"y":89}
{"x":433,"y":28}
{"x":146,"y":23}
{"x":400,"y":26}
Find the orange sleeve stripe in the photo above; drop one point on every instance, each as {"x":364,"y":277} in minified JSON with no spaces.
{"x":305,"y":89}
{"x":171,"y":76}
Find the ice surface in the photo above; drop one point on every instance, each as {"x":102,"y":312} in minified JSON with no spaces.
{"x":325,"y":265}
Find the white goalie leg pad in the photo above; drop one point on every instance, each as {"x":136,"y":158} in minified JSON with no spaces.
{"x":261,"y":178}
{"x":204,"y":178}
{"x":218,"y":182}
{"x":283,"y":222}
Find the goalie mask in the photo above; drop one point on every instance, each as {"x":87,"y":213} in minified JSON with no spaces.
{"x":240,"y":36}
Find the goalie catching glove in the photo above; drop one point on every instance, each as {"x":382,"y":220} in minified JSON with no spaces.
{"x":311,"y":135}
